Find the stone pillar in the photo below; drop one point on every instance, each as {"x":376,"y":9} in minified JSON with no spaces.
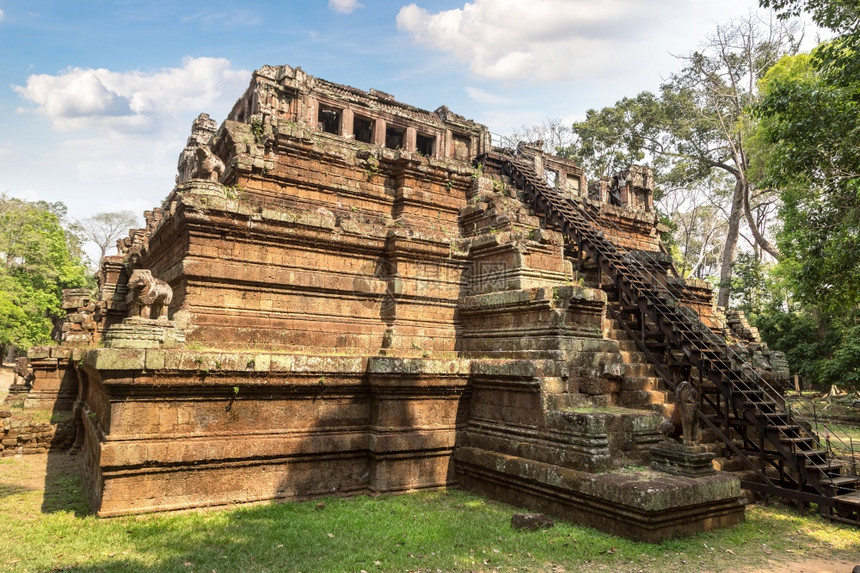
{"x":346,"y":121}
{"x":410,"y":137}
{"x":79,"y":326}
{"x":310,"y":115}
{"x":628,"y":199}
{"x":112,"y":292}
{"x":379,"y":127}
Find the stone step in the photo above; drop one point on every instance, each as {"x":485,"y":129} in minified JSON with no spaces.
{"x":627,"y":346}
{"x":565,"y":401}
{"x":640,"y":383}
{"x":642,"y":398}
{"x":629,"y":357}
{"x":614,"y":333}
{"x":724,"y":464}
{"x":664,"y":409}
{"x":714,"y":448}
{"x":638,"y":370}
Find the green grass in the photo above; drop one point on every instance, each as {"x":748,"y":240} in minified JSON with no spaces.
{"x":449,"y":531}
{"x":838,"y":416}
{"x":845,"y":437}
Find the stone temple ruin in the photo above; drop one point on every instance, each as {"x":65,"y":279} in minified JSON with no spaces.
{"x":346,"y":294}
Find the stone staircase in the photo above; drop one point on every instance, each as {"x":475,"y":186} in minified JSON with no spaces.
{"x":779,"y":445}
{"x":640,"y":385}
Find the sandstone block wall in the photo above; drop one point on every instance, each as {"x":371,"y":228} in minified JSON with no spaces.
{"x":28,"y":434}
{"x":217,"y":428}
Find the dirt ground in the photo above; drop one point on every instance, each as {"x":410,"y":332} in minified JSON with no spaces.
{"x":6,"y":378}
{"x":813,"y":566}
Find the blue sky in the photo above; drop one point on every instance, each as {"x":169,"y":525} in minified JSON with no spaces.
{"x":97,"y":97}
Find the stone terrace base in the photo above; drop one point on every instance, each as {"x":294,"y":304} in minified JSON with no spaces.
{"x":169,"y":429}
{"x":174,"y":429}
{"x":643,"y":505}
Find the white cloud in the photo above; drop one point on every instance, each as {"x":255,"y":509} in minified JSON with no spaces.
{"x":81,"y":98}
{"x":2,"y":15}
{"x":344,"y":6}
{"x":562,"y":40}
{"x":129,"y":128}
{"x":485,"y":97}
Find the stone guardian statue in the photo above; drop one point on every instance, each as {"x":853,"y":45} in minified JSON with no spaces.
{"x":148,"y":297}
{"x":686,"y":399}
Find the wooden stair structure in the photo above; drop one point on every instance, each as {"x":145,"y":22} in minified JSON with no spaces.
{"x":778,"y":445}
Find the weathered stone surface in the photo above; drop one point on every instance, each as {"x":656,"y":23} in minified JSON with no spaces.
{"x":22,"y":433}
{"x":682,"y":459}
{"x":640,"y":505}
{"x":137,"y":332}
{"x":116,"y":358}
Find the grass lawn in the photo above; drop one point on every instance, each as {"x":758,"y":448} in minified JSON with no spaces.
{"x":44,"y":527}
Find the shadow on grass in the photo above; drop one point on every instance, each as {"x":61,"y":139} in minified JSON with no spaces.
{"x":451,"y":531}
{"x":64,"y":486}
{"x":426,"y":531}
{"x":7,"y":489}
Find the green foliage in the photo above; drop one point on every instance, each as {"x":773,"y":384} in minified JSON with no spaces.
{"x":839,"y":59}
{"x":821,"y":348}
{"x":751,"y":289}
{"x":822,"y":354}
{"x":693,"y":133}
{"x":257,"y":129}
{"x":809,"y":145}
{"x":38,"y":258}
{"x":614,"y":137}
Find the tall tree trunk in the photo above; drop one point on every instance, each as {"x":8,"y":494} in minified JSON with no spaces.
{"x":758,"y":237}
{"x":731,"y":244}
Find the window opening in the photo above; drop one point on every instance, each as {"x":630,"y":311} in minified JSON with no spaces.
{"x":394,"y":137}
{"x":425,"y":144}
{"x":362,"y":129}
{"x":328,"y":120}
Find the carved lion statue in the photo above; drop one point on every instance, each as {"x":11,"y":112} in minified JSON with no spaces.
{"x":685,"y":399}
{"x":684,"y":422}
{"x":22,"y":370}
{"x":148,"y":296}
{"x":207,"y":165}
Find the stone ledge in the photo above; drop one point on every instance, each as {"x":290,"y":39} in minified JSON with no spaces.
{"x":227,"y":362}
{"x":642,"y":505}
{"x":552,"y":296}
{"x":187,"y":452}
{"x":509,"y":368}
{"x":398,"y":366}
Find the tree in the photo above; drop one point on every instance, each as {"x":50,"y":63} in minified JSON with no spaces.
{"x":699,"y":225}
{"x":37,"y":260}
{"x":697,"y":126}
{"x":839,"y":58}
{"x":809,"y":147}
{"x":104,"y":229}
